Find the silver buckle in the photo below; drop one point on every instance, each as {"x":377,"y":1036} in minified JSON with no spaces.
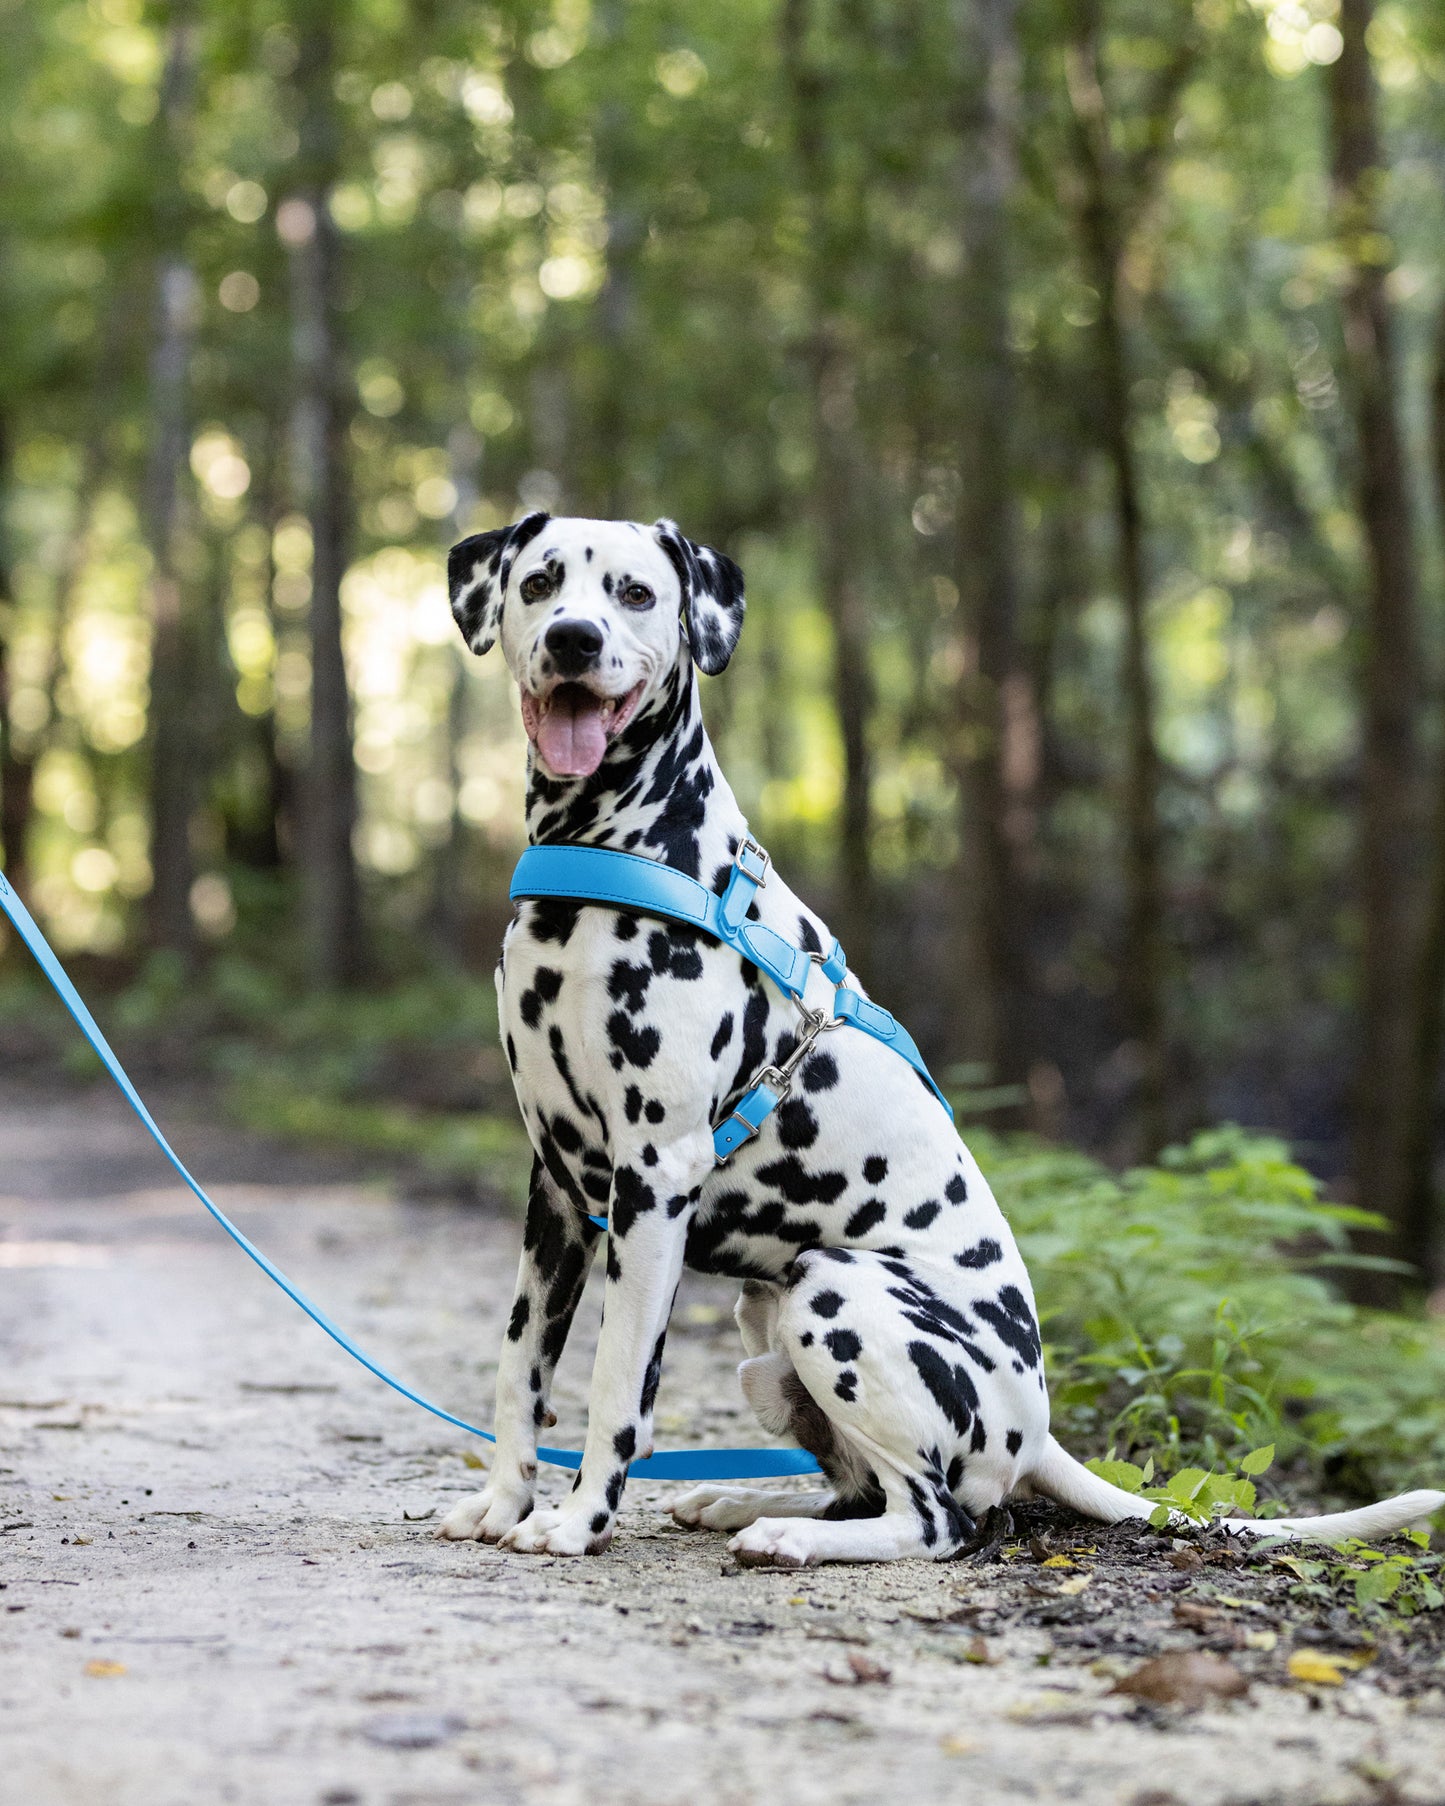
{"x":748,"y":847}
{"x":780,"y":1082}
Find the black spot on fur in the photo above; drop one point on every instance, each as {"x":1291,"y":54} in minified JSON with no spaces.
{"x":844,"y":1344}
{"x":1014,"y":1441}
{"x":820,"y":1072}
{"x":632,"y":1103}
{"x":637,"y":1046}
{"x":723,"y":1035}
{"x":950,"y":1386}
{"x":631,"y":1196}
{"x":600,"y":1523}
{"x":624,"y":1443}
{"x":553,"y":919}
{"x":865,"y":1217}
{"x":798,"y":1185}
{"x":826,"y":1304}
{"x":627,"y":984}
{"x":654,"y":1111}
{"x":956,"y":1191}
{"x":982,"y":1254}
{"x":875,"y":1169}
{"x":521,"y":1311}
{"x":922,"y":1214}
{"x":797,"y":1125}
{"x":846,"y":1385}
{"x":1013,"y":1323}
{"x":546,"y":983}
{"x":653,"y":1377}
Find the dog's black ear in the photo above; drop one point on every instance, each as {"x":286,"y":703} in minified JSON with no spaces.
{"x":477,"y":572}
{"x":712,"y":597}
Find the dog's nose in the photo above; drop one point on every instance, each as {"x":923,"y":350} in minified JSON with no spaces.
{"x":574,"y":645}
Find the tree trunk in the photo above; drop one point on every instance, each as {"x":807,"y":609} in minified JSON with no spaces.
{"x":1103,"y":231}
{"x":16,"y":773}
{"x":997,"y":769}
{"x":320,"y":418}
{"x":616,"y":318}
{"x":173,"y":746}
{"x":1419,"y":1220}
{"x":1390,"y":682}
{"x":836,"y":488}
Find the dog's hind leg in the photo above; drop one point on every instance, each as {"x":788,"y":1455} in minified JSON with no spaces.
{"x":884,"y":1438}
{"x":735,"y":1507}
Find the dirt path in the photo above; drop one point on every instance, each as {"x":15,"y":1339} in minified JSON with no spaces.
{"x":219,"y":1580}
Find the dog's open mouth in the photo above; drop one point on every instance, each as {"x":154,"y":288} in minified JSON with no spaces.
{"x":571,"y":727}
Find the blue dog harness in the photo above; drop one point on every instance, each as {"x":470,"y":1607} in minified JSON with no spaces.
{"x":581,"y":874}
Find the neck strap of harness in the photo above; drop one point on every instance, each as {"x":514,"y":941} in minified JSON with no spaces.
{"x":581,"y":874}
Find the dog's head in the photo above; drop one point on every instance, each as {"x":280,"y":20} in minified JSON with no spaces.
{"x":594,"y":618}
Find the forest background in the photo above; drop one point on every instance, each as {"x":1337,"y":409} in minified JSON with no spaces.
{"x":1068,"y":376}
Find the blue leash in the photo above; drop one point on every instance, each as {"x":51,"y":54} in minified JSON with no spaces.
{"x":675,"y":1464}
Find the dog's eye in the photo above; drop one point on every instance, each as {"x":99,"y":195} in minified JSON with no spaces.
{"x":536,"y":585}
{"x":637,"y":595}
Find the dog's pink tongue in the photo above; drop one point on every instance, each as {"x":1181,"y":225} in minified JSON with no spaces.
{"x":570,"y":736}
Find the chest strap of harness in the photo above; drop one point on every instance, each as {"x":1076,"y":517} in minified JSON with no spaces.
{"x":581,"y":874}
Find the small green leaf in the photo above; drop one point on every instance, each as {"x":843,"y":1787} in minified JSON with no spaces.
{"x":1258,"y":1460}
{"x":1377,"y":1585}
{"x":1123,"y":1474}
{"x":1187,"y":1484}
{"x":1159,"y":1516}
{"x":1149,"y":1472}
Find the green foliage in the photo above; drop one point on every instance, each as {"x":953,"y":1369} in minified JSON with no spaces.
{"x":1188,"y":1310}
{"x":1371,"y":1584}
{"x":1192,"y":1491}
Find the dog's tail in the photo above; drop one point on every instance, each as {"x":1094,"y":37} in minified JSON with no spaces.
{"x":1058,"y":1476}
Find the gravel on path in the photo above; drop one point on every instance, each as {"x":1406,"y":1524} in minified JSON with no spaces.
{"x":218,"y":1580}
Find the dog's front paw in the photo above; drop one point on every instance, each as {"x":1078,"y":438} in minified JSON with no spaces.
{"x":777,"y":1543}
{"x":554,"y":1530}
{"x":485,"y":1516}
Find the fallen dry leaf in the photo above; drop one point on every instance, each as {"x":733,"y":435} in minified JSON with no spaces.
{"x":1057,"y":1561}
{"x":1188,"y":1561}
{"x":959,"y":1746}
{"x":977,"y":1651}
{"x":1261,"y":1639}
{"x":1185,"y":1677}
{"x":104,"y":1671}
{"x":1321,"y":1668}
{"x":866,"y":1670}
{"x":470,"y":1458}
{"x":1075,"y":1586}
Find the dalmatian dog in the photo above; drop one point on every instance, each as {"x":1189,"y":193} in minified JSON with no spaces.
{"x":887,"y":1319}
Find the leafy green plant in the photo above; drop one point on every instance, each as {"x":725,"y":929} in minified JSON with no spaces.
{"x":1193,"y":1492}
{"x":1189,"y":1311}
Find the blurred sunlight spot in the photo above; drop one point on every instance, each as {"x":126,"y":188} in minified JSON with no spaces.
{"x":212,"y":906}
{"x":681,"y":72}
{"x":93,"y":869}
{"x":562,"y":278}
{"x":239,"y":292}
{"x":219,"y":466}
{"x":246,"y":202}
